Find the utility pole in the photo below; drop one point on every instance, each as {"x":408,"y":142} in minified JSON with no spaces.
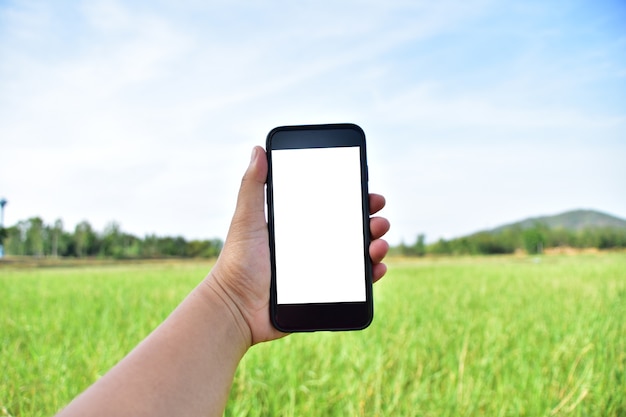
{"x":3,"y":202}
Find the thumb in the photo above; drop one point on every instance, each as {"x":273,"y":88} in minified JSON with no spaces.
{"x":251,"y":200}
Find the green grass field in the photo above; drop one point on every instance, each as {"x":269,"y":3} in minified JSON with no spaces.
{"x":498,"y":336}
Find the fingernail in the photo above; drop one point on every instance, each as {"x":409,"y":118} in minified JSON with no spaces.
{"x":253,"y":156}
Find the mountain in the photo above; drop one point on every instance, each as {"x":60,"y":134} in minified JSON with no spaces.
{"x":570,"y":220}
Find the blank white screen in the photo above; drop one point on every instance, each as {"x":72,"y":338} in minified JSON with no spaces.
{"x":318,"y":225}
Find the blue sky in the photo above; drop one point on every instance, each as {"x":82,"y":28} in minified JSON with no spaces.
{"x":477,"y":113}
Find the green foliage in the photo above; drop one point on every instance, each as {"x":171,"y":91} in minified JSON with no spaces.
{"x":85,"y":240}
{"x":442,"y":247}
{"x":34,"y":238}
{"x":420,"y":245}
{"x":463,"y":336}
{"x":478,"y":244}
{"x":532,"y":240}
{"x":417,"y":249}
{"x":572,"y":220}
{"x":62,"y":328}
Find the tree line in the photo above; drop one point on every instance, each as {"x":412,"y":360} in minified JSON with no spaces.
{"x":532,"y":240}
{"x":33,"y":237}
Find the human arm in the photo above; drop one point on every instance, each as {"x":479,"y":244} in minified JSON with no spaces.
{"x":186,"y":366}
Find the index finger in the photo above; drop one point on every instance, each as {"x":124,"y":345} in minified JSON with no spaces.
{"x":377,"y":202}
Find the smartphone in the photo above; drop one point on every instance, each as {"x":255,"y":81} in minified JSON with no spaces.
{"x":318,"y":220}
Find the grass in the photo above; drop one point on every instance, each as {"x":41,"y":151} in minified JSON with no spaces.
{"x":499,"y":336}
{"x":62,"y":328}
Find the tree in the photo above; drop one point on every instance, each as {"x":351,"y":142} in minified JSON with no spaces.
{"x":85,"y":239}
{"x":150,"y":246}
{"x":55,"y":234}
{"x":441,"y":247}
{"x":204,"y":248}
{"x":420,"y":245}
{"x":534,"y":240}
{"x":492,"y":244}
{"x":35,"y":237}
{"x":112,"y":241}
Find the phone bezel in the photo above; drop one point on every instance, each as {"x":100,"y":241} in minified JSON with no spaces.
{"x":320,"y":316}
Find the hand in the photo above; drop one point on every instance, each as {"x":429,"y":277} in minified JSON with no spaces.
{"x":187,"y":364}
{"x":242,"y":273}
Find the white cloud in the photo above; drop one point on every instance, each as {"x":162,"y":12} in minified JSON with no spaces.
{"x":146,"y":113}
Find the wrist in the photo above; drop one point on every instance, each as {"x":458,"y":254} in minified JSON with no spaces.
{"x":217,"y":295}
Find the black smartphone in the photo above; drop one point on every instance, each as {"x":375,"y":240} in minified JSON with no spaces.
{"x":318,"y":220}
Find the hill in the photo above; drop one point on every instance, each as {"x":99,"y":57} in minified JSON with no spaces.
{"x":574,"y":220}
{"x":572,"y":229}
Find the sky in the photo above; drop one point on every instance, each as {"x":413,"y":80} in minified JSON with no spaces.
{"x":477,"y":113}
